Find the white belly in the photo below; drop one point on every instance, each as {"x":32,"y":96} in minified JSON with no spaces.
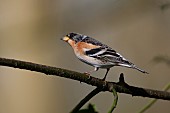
{"x":95,"y":62}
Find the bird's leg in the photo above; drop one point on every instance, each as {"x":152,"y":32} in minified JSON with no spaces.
{"x":106,"y":74}
{"x":88,"y":73}
{"x":95,"y":69}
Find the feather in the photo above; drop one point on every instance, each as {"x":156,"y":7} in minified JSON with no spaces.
{"x":109,"y":55}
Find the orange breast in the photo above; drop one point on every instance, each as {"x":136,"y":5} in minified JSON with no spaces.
{"x":82,"y":45}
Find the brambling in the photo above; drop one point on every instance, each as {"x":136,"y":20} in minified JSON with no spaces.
{"x":96,"y":54}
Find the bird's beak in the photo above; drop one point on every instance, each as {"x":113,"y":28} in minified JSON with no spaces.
{"x":65,"y":38}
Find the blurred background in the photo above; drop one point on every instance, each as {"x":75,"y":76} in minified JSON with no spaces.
{"x":30,"y":30}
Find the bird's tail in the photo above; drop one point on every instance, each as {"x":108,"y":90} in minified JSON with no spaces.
{"x":143,"y":71}
{"x":131,"y":65}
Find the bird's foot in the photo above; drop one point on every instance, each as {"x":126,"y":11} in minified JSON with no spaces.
{"x":104,"y":79}
{"x":105,"y":83}
{"x":88,"y":74}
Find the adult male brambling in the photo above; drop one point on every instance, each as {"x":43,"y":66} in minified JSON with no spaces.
{"x":96,"y":54}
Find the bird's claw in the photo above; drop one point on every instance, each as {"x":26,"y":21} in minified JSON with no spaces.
{"x":88,"y":74}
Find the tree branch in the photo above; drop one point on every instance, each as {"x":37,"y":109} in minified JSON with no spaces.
{"x":85,"y":100}
{"x":120,"y":87}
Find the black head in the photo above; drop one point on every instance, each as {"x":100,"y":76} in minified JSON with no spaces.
{"x":76,"y":37}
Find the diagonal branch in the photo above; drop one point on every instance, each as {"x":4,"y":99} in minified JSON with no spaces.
{"x":86,"y":99}
{"x":120,"y":87}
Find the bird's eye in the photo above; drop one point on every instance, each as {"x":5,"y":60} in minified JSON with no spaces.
{"x":68,"y":35}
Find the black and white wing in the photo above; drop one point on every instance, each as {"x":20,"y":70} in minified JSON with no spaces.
{"x":107,"y":54}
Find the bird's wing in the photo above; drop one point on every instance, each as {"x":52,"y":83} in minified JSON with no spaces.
{"x":108,"y":55}
{"x":111,"y":56}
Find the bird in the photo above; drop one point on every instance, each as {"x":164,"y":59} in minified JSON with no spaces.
{"x":96,"y":54}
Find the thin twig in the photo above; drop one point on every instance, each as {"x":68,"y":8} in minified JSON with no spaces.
{"x":114,"y":101}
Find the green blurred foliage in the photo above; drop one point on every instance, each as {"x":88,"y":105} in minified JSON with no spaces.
{"x":90,"y":109}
